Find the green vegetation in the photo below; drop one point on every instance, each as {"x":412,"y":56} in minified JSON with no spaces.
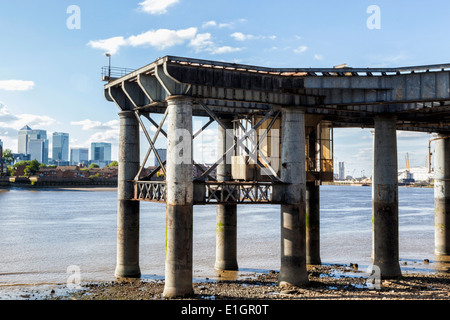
{"x":93,"y":165}
{"x":33,"y":167}
{"x":113,"y":164}
{"x":7,"y":156}
{"x":160,"y":174}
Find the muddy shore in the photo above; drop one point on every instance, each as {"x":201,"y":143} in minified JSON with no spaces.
{"x":326,"y":282}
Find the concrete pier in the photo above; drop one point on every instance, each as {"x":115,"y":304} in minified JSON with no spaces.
{"x":385,"y":251}
{"x":313,"y":223}
{"x":442,"y":195}
{"x":226,"y":216}
{"x":293,"y":174}
{"x":128,"y":210}
{"x":179,"y":202}
{"x":413,"y":99}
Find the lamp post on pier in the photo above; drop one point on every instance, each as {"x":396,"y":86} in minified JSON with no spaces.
{"x":109,"y":64}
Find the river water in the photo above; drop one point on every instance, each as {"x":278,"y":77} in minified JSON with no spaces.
{"x":46,"y":231}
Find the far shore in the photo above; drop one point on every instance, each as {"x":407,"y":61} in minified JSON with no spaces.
{"x":63,"y":188}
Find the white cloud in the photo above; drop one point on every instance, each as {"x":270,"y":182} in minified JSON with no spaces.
{"x":318,"y":57}
{"x":239,"y":36}
{"x":16,"y":85}
{"x":203,"y":43}
{"x":103,"y":131}
{"x":35,"y":120}
{"x":226,"y":25}
{"x":15,"y":122}
{"x":242,"y":37}
{"x":162,"y":38}
{"x":110,"y":45}
{"x":10,"y":124}
{"x":111,"y":136}
{"x":300,"y":49}
{"x":88,"y":124}
{"x":230,"y":25}
{"x":210,"y":23}
{"x":225,"y":49}
{"x":156,"y":6}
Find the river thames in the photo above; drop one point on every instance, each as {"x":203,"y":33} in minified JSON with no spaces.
{"x":46,"y":231}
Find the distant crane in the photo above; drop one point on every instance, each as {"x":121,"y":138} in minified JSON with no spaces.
{"x":407,"y":162}
{"x":408,"y":169}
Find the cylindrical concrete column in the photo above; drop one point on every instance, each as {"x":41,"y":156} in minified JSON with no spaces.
{"x":442,"y":195}
{"x":385,"y":248}
{"x":128,"y":210}
{"x":179,"y":199}
{"x":312,"y":223}
{"x":293,"y":174}
{"x":226,"y":215}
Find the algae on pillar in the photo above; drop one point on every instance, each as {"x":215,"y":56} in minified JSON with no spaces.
{"x":226,"y":216}
{"x":293,"y":174}
{"x":385,"y":250}
{"x":442,"y":195}
{"x":128,"y":210}
{"x":313,"y":223}
{"x":179,"y":201}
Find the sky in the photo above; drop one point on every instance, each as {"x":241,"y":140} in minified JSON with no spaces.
{"x":52,"y":52}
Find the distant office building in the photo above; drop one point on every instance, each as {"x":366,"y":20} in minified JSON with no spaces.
{"x":23,"y":139}
{"x":341,"y":171}
{"x":100,"y":151}
{"x":34,"y":143}
{"x":162,"y":153}
{"x":60,"y":148}
{"x":20,"y":157}
{"x":36,"y":148}
{"x":79,"y":156}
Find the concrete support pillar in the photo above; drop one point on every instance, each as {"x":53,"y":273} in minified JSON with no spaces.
{"x":226,"y":216}
{"x":128,"y":210}
{"x":442,"y":195}
{"x":293,"y":174}
{"x":385,"y":250}
{"x":313,"y":223}
{"x":179,"y":199}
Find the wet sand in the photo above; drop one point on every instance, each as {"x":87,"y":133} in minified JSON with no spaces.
{"x":326,"y":282}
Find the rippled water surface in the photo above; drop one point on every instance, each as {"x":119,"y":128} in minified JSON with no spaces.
{"x":43,"y":232}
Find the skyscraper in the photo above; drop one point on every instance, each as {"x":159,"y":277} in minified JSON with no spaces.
{"x":101,"y":153}
{"x":34,"y":143}
{"x":79,"y":155}
{"x":162,"y":153}
{"x":36,"y":149}
{"x":60,"y":149}
{"x":23,"y":139}
{"x":341,"y":171}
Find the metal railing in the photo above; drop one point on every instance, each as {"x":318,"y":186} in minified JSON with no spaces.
{"x":215,"y":192}
{"x":150,"y":191}
{"x":111,"y":73}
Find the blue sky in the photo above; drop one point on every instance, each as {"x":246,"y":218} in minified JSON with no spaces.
{"x":50,"y":72}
